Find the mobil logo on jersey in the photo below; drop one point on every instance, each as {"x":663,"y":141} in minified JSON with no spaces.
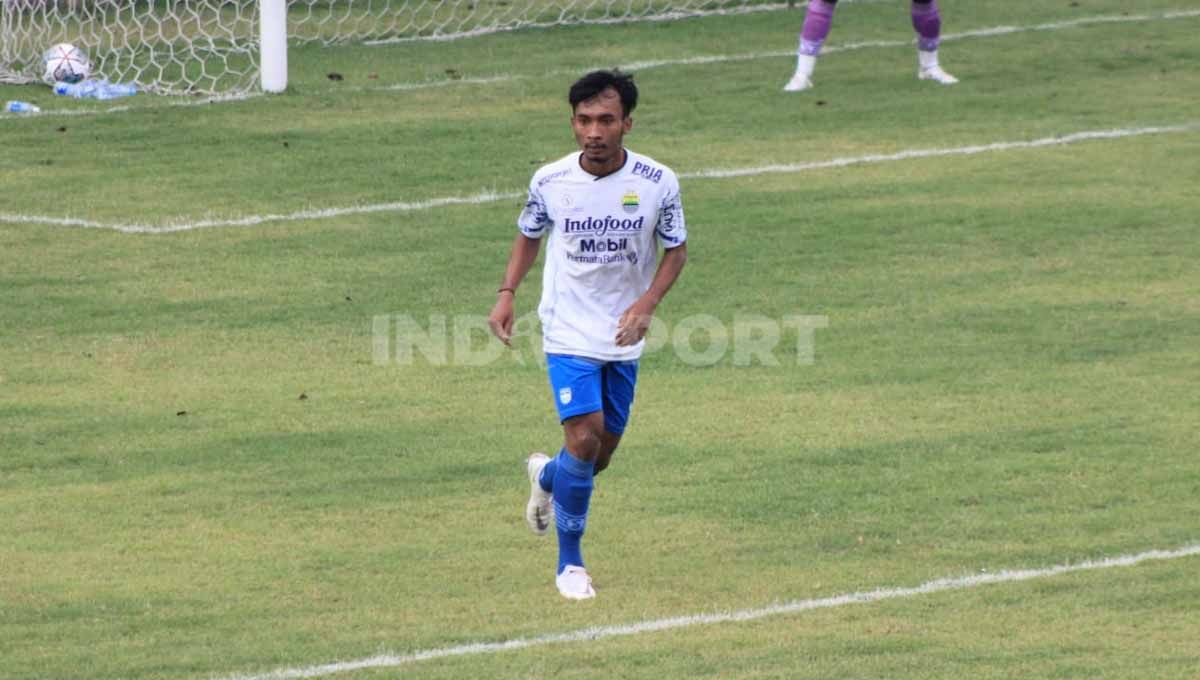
{"x":603,"y":245}
{"x":601,"y":226}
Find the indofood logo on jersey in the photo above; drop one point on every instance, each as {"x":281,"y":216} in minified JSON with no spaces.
{"x":603,"y":225}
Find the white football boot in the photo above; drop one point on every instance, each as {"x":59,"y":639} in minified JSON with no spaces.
{"x":928,"y":69}
{"x":936,"y":74}
{"x":802,"y":78}
{"x":539,"y":512}
{"x":575,"y":584}
{"x":799,"y":83}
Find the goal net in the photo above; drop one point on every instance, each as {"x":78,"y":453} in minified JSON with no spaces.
{"x":169,"y":46}
{"x":212,"y":46}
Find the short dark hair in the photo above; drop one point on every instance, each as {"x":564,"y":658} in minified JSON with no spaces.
{"x":598,"y":81}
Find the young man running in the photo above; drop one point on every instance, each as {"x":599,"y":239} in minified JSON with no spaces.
{"x":605,"y":211}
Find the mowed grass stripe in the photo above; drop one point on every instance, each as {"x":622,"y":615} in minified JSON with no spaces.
{"x":716,"y":173}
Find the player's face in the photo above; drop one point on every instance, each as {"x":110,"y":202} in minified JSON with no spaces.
{"x":600,"y":124}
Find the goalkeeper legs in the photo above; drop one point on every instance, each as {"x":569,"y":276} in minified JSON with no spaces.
{"x":818,"y":19}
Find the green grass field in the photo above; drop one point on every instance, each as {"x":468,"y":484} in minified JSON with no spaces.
{"x":1008,"y":377}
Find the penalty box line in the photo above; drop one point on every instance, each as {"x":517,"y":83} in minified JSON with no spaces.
{"x":601,"y":632}
{"x":493,"y":196}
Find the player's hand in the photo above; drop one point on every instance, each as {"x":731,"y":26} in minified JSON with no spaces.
{"x":634,"y":323}
{"x":501,"y":318}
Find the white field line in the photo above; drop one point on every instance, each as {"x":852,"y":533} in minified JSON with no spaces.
{"x":722,"y":58}
{"x":191,"y":101}
{"x":601,"y":632}
{"x":659,"y":63}
{"x":493,"y":196}
{"x":425,"y":85}
{"x":251,"y":220}
{"x":1073,"y":138}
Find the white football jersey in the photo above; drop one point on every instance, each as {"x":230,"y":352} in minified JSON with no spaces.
{"x":603,"y":248}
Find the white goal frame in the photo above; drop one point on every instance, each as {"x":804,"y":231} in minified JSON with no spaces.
{"x":235,"y":46}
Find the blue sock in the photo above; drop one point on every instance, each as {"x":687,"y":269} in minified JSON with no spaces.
{"x":572,"y":491}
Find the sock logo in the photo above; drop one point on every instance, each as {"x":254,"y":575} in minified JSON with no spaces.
{"x":573,"y":524}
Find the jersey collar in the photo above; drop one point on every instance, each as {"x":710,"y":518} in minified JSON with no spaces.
{"x":597,"y":178}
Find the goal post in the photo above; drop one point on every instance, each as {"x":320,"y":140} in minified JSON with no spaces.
{"x":218,"y":47}
{"x":273,"y":48}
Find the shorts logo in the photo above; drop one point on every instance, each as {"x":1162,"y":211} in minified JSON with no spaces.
{"x":564,"y":396}
{"x":630,"y":202}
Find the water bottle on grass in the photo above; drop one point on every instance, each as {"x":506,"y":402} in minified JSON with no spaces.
{"x":21,"y":107}
{"x":95,"y":89}
{"x":109,"y":90}
{"x":84,"y":88}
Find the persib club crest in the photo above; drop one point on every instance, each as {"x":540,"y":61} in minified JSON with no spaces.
{"x":629,"y":202}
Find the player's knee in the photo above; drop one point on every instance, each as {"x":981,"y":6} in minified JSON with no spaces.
{"x":584,"y":443}
{"x":608,"y":446}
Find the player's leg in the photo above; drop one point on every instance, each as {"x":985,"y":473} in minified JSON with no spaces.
{"x":618,"y":381}
{"x":575,"y":382}
{"x":574,"y":470}
{"x":817,"y":20}
{"x":927,"y":22}
{"x":570,"y":399}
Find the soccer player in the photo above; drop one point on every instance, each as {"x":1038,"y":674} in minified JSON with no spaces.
{"x":819,"y":17}
{"x":605,"y":211}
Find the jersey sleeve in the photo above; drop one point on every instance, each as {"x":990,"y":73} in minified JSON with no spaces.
{"x":671,"y":229}
{"x":534,"y":217}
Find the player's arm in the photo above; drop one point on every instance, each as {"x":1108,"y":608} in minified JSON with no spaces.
{"x":524,"y":254}
{"x":636,"y":320}
{"x":671,"y":232}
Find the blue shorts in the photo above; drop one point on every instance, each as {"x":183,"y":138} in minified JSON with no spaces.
{"x":583,"y":385}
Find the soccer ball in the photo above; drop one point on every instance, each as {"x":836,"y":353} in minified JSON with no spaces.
{"x":66,"y":63}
